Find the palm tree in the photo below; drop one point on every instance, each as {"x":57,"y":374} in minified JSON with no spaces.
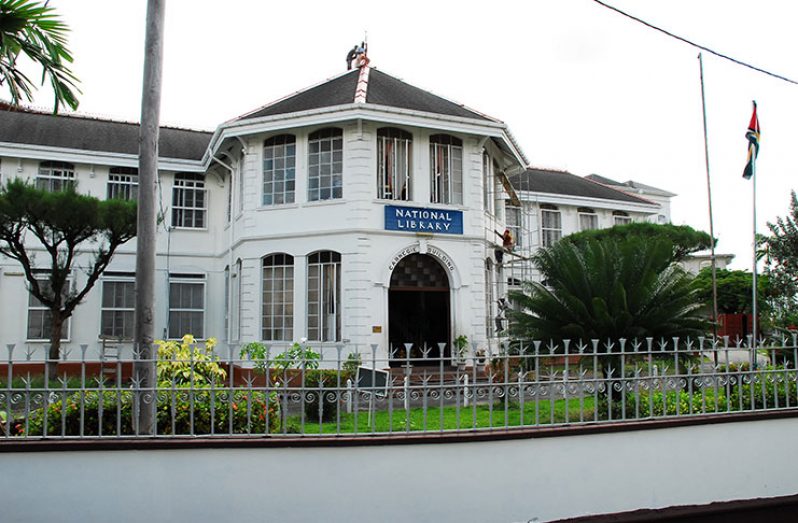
{"x":33,"y":29}
{"x":607,"y":290}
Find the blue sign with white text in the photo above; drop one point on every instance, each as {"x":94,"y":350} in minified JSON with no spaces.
{"x":419,"y":219}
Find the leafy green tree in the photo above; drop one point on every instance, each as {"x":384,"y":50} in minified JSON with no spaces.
{"x":780,"y":250}
{"x":684,"y":239}
{"x":63,"y":224}
{"x":734,"y":290}
{"x":602,"y":289}
{"x":32,"y":29}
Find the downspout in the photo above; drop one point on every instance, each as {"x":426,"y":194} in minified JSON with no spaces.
{"x":229,"y":252}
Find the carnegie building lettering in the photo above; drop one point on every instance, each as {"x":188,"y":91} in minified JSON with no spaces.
{"x":423,"y":220}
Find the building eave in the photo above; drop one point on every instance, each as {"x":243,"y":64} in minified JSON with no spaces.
{"x":43,"y":152}
{"x":584,"y":201}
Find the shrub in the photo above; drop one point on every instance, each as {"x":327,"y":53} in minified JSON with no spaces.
{"x":323,"y":383}
{"x":776,"y":384}
{"x":670,"y":403}
{"x":110,"y":413}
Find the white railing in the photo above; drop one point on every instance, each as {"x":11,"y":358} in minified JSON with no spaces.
{"x":333,"y":391}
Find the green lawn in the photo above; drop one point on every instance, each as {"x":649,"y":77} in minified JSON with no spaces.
{"x":451,"y":418}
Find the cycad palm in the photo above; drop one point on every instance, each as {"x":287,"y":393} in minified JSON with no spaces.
{"x":607,"y":290}
{"x":32,"y":29}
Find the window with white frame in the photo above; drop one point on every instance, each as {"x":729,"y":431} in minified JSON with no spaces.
{"x":40,"y":319}
{"x":588,"y":219}
{"x":186,"y":305}
{"x":278,"y":298}
{"x":446,"y":169}
{"x":621,"y":218}
{"x":279,"y":169}
{"x":123,"y":183}
{"x":189,"y":201}
{"x":514,"y":223}
{"x":394,"y":163}
{"x":118,"y":306}
{"x":550,"y":225}
{"x":325,"y":164}
{"x":55,"y":176}
{"x":324,"y":296}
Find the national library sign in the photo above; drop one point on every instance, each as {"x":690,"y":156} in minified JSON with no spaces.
{"x":420,"y":219}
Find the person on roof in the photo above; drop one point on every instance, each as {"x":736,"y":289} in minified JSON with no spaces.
{"x":350,"y":57}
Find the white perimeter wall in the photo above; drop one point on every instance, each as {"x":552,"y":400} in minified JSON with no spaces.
{"x":505,"y":481}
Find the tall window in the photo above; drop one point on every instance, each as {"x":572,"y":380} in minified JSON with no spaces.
{"x":324,"y":296}
{"x":40,"y":320}
{"x":620,"y":218}
{"x":278,"y":297}
{"x":237,"y":300}
{"x":394,"y":163}
{"x":186,"y":305}
{"x":241,"y":168}
{"x":188,"y":201}
{"x":118,"y":306}
{"x":446,"y":169}
{"x":514,"y":222}
{"x":550,"y":225}
{"x":487,"y":183}
{"x":588,"y":219}
{"x":325,"y":164}
{"x":279,"y":169}
{"x":123,"y":183}
{"x":55,"y":176}
{"x":489,"y":297}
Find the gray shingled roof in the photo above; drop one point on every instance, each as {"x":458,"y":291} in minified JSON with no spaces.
{"x":567,"y":184}
{"x":91,"y":134}
{"x":383,"y":89}
{"x":630,"y":185}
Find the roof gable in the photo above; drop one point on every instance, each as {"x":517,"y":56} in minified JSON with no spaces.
{"x":381,"y":89}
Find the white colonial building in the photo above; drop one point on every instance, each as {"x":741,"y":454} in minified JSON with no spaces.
{"x":361,"y":211}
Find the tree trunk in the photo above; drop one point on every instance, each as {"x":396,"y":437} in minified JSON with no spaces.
{"x":54,"y":354}
{"x":145,"y":252}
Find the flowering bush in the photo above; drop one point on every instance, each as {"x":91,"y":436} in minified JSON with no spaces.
{"x":186,"y":362}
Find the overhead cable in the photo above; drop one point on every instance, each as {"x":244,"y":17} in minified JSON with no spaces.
{"x":699,"y":46}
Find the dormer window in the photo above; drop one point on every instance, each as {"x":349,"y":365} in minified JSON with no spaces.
{"x":446,"y":169}
{"x":394,"y":163}
{"x":279,"y":169}
{"x":325,"y":164}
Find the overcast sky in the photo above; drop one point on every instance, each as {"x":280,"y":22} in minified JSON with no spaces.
{"x":582,"y":88}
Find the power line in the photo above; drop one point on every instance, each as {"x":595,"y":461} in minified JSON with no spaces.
{"x":699,"y":46}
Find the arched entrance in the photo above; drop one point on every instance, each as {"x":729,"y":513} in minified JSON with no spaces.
{"x":418,"y":309}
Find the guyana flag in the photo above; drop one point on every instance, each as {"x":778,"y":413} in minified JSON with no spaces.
{"x":753,"y":145}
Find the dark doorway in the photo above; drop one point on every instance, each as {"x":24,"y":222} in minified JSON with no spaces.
{"x":418,"y":310}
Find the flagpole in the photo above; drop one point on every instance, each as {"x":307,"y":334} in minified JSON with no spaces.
{"x":711,"y":221}
{"x":753,"y":278}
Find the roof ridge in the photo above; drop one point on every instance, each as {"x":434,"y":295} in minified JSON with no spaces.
{"x":362,"y":86}
{"x":89,"y":116}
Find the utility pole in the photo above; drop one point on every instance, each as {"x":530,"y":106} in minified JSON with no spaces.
{"x":145,"y":251}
